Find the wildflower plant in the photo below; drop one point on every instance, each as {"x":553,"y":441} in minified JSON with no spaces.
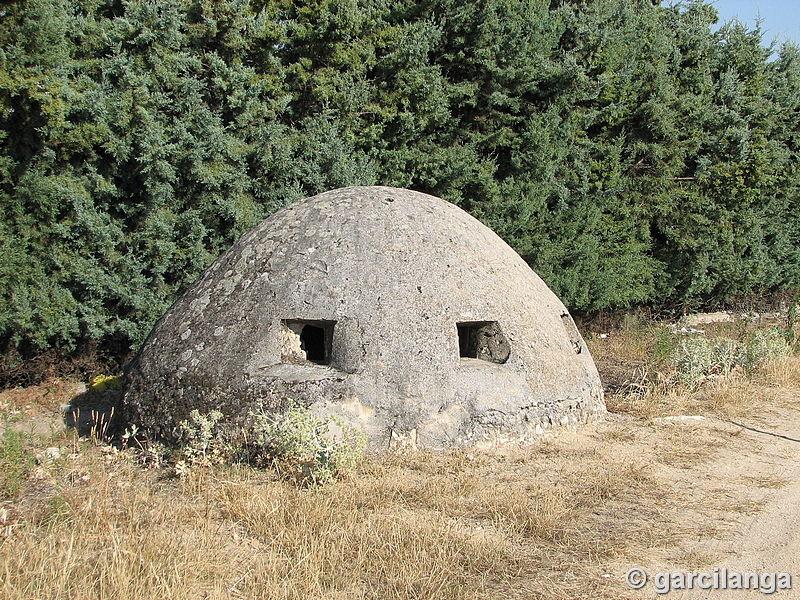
{"x":304,"y":446}
{"x":700,"y":358}
{"x":765,"y":345}
{"x":203,"y":442}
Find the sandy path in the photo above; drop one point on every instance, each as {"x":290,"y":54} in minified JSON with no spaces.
{"x":761,"y":532}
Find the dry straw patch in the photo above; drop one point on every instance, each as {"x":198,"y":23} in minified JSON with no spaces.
{"x":329,"y":543}
{"x":430,"y":525}
{"x":116,"y":536}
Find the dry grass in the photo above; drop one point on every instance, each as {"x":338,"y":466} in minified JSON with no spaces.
{"x":784,"y":372}
{"x":641,"y":378}
{"x":124,"y":534}
{"x":94,"y":524}
{"x":548,"y":521}
{"x":725,"y":397}
{"x":767,"y":481}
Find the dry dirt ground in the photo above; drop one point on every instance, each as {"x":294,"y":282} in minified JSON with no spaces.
{"x":732,"y":490}
{"x":696,"y":494}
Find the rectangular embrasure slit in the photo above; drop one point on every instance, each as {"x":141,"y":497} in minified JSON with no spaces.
{"x":483,"y":340}
{"x":306,"y":340}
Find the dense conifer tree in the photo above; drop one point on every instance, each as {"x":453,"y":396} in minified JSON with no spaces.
{"x":630,"y":154}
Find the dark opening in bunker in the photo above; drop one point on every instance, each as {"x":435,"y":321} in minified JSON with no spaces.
{"x":483,"y":340}
{"x":306,"y":341}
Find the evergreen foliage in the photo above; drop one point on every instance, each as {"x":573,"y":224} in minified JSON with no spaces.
{"x":626,"y":151}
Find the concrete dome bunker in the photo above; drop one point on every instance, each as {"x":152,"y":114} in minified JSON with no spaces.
{"x":393,"y":309}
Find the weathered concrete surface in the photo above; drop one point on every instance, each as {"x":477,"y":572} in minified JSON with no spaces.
{"x":433,"y":329}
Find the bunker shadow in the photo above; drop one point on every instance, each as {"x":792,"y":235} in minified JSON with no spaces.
{"x":95,"y":414}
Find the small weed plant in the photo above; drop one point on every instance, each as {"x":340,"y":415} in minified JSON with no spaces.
{"x":304,"y":446}
{"x":202,"y":440}
{"x":301,"y":445}
{"x":699,"y":358}
{"x":15,"y":462}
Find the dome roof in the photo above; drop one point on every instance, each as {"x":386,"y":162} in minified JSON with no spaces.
{"x":392,"y":308}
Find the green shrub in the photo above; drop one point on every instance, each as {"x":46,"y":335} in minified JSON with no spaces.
{"x":202,"y":440}
{"x":693,"y":358}
{"x":299,"y":444}
{"x":664,"y":346}
{"x":793,"y":323}
{"x":15,"y":462}
{"x":698,"y":358}
{"x":763,"y":346}
{"x":726,"y":355}
{"x":305,"y":447}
